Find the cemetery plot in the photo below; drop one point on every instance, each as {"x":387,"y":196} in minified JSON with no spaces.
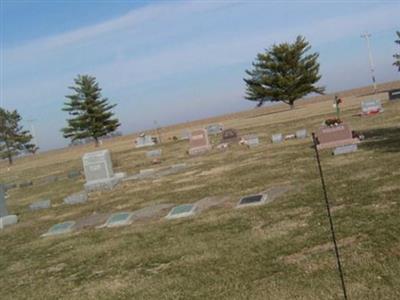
{"x":369,"y":107}
{"x":252,"y":200}
{"x":61,"y":228}
{"x":182,"y":211}
{"x":119,"y":219}
{"x":335,"y":136}
{"x":199,"y":142}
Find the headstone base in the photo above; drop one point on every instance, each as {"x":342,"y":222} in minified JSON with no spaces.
{"x":103,"y":184}
{"x":8,"y":220}
{"x":345,"y":149}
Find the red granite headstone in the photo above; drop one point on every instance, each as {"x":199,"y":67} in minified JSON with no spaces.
{"x":335,"y":136}
{"x":229,"y":135}
{"x":199,"y":142}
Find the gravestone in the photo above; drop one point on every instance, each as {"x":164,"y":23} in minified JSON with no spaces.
{"x":73,"y":174}
{"x":335,"y":136}
{"x":60,"y":228}
{"x":182,"y":211}
{"x":25,"y":184}
{"x":301,"y":134}
{"x":371,"y":107}
{"x":214,"y":129}
{"x":119,"y":219}
{"x":394,"y":94}
{"x":76,"y":198}
{"x":3,"y":207}
{"x":144,"y":140}
{"x":199,"y":142}
{"x":229,"y":135}
{"x":154,"y":153}
{"x":185,"y":135}
{"x":345,"y":149}
{"x":252,"y":200}
{"x":43,"y":204}
{"x":277,"y":138}
{"x":251,"y":140}
{"x":8,"y":220}
{"x":50,"y":179}
{"x":98,"y":171}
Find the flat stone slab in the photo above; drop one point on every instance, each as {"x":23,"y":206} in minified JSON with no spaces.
{"x":43,"y":204}
{"x":277,"y":138}
{"x":8,"y":220}
{"x":345,"y":149}
{"x":182,"y":211}
{"x":156,"y":153}
{"x":76,"y":198}
{"x":118,"y":219}
{"x":93,"y":220}
{"x":210,"y":202}
{"x":102,"y":184}
{"x":60,"y":228}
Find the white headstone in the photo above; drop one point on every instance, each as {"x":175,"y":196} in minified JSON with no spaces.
{"x":371,"y":106}
{"x":345,"y":149}
{"x":301,"y":134}
{"x":144,"y":141}
{"x":277,"y":138}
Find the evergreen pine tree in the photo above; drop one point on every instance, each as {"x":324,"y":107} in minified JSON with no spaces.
{"x":13,"y":139}
{"x":285,"y":72}
{"x":91,"y":115}
{"x":397,"y":55}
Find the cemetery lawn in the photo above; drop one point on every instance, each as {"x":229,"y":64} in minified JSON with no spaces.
{"x":281,"y":250}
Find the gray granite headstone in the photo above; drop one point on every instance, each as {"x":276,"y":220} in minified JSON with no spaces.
{"x":214,"y":129}
{"x":76,"y":198}
{"x":3,"y":207}
{"x":301,"y":134}
{"x":277,"y":138}
{"x":251,"y":140}
{"x":345,"y":149}
{"x":98,"y":170}
{"x":43,"y":204}
{"x":8,"y":220}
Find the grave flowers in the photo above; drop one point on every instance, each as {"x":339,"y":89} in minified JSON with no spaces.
{"x":333,"y":122}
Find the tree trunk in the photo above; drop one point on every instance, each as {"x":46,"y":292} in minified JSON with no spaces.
{"x":291,"y":106}
{"x":10,"y":160}
{"x":96,"y":142}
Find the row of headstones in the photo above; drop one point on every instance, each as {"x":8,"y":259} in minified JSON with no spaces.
{"x":127,"y":218}
{"x":279,"y":137}
{"x":47,"y":180}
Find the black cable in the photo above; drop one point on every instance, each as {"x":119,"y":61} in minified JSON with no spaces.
{"x":339,"y":265}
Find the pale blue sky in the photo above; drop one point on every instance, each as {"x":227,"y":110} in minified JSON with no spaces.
{"x":175,"y":61}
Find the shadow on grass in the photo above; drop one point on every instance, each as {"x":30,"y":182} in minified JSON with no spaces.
{"x":382,"y":139}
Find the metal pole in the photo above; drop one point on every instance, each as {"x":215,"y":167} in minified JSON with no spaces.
{"x":328,"y":209}
{"x":371,"y":61}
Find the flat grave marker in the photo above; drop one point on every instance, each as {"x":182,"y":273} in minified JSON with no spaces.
{"x":60,"y":228}
{"x":93,"y":220}
{"x":119,"y":219}
{"x":394,"y":94}
{"x":43,"y":204}
{"x":76,"y":198}
{"x":252,"y":200}
{"x":345,"y":149}
{"x":154,"y":153}
{"x":182,"y":211}
{"x":199,"y":143}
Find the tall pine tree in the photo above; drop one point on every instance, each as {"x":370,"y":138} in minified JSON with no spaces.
{"x":285,"y":72}
{"x":13,"y":139}
{"x":397,"y":55}
{"x":91,"y":115}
